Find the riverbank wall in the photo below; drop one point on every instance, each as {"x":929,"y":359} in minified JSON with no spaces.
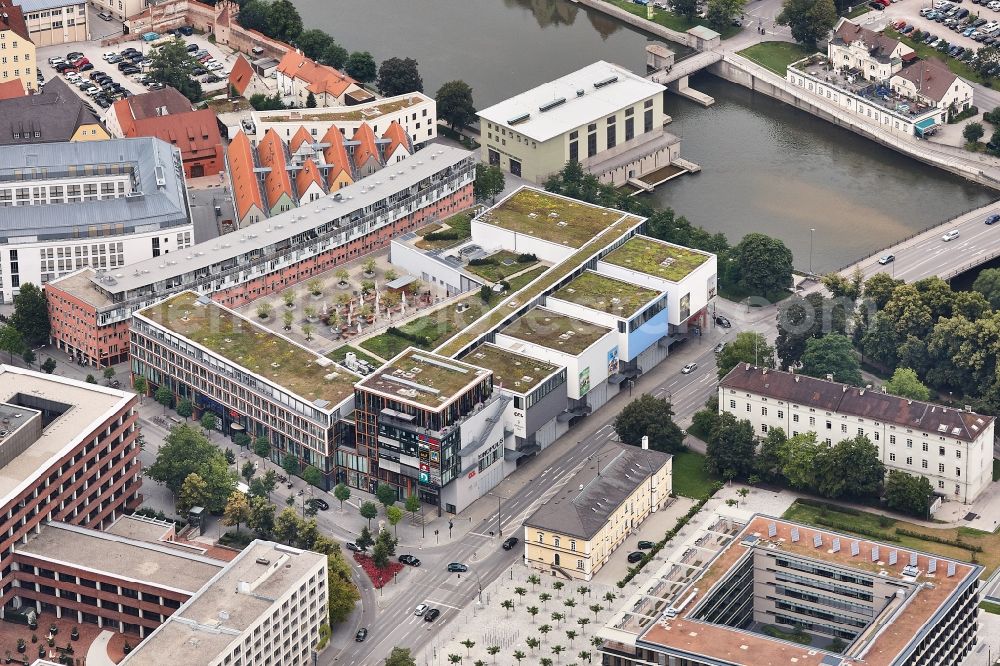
{"x":639,"y":22}
{"x":975,"y":167}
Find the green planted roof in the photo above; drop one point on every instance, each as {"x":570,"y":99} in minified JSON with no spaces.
{"x":599,"y":292}
{"x":653,"y":257}
{"x":551,"y":217}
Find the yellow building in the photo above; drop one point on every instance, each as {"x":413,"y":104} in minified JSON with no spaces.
{"x":17,"y":51}
{"x":55,"y":114}
{"x":574,"y":533}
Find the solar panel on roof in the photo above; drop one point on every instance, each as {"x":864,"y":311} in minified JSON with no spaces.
{"x":795,"y":534}
{"x":836,"y":545}
{"x":951,"y":569}
{"x":874,"y":553}
{"x":855,"y":548}
{"x":931,"y":566}
{"x":817,"y":540}
{"x":892,"y":557}
{"x":772,"y":529}
{"x":913,"y":559}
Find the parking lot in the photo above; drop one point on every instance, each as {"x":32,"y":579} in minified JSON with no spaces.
{"x":93,"y":51}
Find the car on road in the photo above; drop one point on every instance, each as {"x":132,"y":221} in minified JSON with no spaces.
{"x":457,"y":567}
{"x":689,"y":368}
{"x":420,"y":609}
{"x":951,"y":235}
{"x":646,"y":545}
{"x":319,"y":504}
{"x":723,"y":322}
{"x":105,"y":16}
{"x":992,"y":219}
{"x":361,"y":635}
{"x":431,"y":615}
{"x":409,"y":559}
{"x":350,"y":545}
{"x":509,"y":543}
{"x":886,"y":259}
{"x":719,"y":347}
{"x":635,"y":557}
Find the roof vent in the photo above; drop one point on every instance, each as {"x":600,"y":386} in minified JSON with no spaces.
{"x":548,"y":106}
{"x":579,"y":92}
{"x":606,"y":82}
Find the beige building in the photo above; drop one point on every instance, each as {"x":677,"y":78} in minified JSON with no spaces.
{"x":574,"y":533}
{"x":17,"y":51}
{"x":55,"y":21}
{"x":874,"y":55}
{"x":121,"y":9}
{"x":602,"y":116}
{"x":952,"y":448}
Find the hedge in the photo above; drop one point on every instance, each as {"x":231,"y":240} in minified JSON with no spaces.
{"x":848,"y":527}
{"x":442,"y":235}
{"x":947,"y":542}
{"x":829,"y":507}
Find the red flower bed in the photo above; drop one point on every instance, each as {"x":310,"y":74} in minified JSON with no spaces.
{"x":378,"y":576}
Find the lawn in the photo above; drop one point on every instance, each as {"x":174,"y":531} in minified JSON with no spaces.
{"x":996,"y":469}
{"x":524,"y":278}
{"x":869,"y":522}
{"x":990,"y":607}
{"x":691,"y":479}
{"x":775,"y":56}
{"x":794,"y":636}
{"x":858,"y":11}
{"x":671,"y":20}
{"x":432,"y":329}
{"x":339,"y":354}
{"x":926,"y":52}
{"x":502,"y":265}
{"x":460,"y":223}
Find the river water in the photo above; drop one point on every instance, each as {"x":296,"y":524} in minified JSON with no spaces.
{"x":765,"y":166}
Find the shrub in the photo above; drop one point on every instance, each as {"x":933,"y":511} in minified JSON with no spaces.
{"x":936,"y":539}
{"x":844,"y":526}
{"x":817,"y":504}
{"x":526,"y":258}
{"x":483,"y":261}
{"x":442,"y":236}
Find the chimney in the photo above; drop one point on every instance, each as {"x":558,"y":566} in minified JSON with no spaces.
{"x":968,"y":408}
{"x":765,"y":371}
{"x":797,"y":379}
{"x":861,"y":392}
{"x":829,"y":377}
{"x":645,"y":442}
{"x":883,"y":389}
{"x":748,"y":366}
{"x":844,"y":388}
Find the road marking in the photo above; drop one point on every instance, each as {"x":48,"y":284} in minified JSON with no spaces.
{"x":441,"y":603}
{"x":604,"y":428}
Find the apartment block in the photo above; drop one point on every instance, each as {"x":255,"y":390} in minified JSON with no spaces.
{"x":737,"y":591}
{"x":952,"y":448}
{"x":55,"y":21}
{"x":18,"y":62}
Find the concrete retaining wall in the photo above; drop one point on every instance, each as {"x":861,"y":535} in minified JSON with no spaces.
{"x":638,"y":21}
{"x":741,"y":71}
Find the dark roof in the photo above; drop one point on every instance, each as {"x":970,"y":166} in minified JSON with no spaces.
{"x":931,"y":77}
{"x":866,"y":403}
{"x":55,"y":113}
{"x":13,"y":19}
{"x":157,"y":103}
{"x":879,"y":46}
{"x":582,"y":513}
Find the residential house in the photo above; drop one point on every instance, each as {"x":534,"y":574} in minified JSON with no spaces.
{"x":398,"y":146}
{"x":875,"y":55}
{"x":309,"y":182}
{"x":244,"y":79}
{"x":339,"y":172}
{"x":11,"y":89}
{"x":297,"y":76}
{"x":931,"y":82}
{"x":250,"y":206}
{"x":365,"y":152}
{"x":167,"y":115}
{"x":53,"y":115}
{"x":277,"y":183}
{"x":18,"y":61}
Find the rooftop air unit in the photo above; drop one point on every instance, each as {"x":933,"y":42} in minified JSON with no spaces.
{"x":548,"y":106}
{"x":606,"y":82}
{"x":519,"y":119}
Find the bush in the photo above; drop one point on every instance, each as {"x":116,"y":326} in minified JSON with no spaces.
{"x":935,"y":539}
{"x":526,"y":258}
{"x":482,"y":261}
{"x":420,"y":340}
{"x":816,"y":504}
{"x":442,"y":236}
{"x":844,"y":526}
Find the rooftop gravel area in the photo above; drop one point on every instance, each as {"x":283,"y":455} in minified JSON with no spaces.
{"x":555,"y":331}
{"x":370,"y":111}
{"x":653,"y":257}
{"x":550,"y":217}
{"x":423,"y":377}
{"x":516,"y":372}
{"x":599,"y":292}
{"x":253,"y":347}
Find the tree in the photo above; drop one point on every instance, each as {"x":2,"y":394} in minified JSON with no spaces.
{"x":164,"y":396}
{"x":247,"y":471}
{"x":342,"y":593}
{"x":11,"y":341}
{"x":193,"y":492}
{"x":172,"y":65}
{"x":343,"y":493}
{"x":412,"y":504}
{"x":393,"y":514}
{"x":798,"y":460}
{"x":532,"y":611}
{"x":185,"y":409}
{"x":364,"y":539}
{"x":532,"y":642}
{"x":91,"y":379}
{"x":454,"y":104}
{"x":721,"y":13}
{"x":237,"y":510}
{"x":335,"y":56}
{"x":262,"y":447}
{"x":380,"y":555}
{"x":313,"y":43}
{"x":360,"y":65}
{"x":768,"y":461}
{"x":261,"y":518}
{"x":686,"y":8}
{"x":973,"y":132}
{"x":28,"y":356}
{"x":312,"y":476}
{"x":764,"y":263}
{"x":832,"y":355}
{"x":398,"y":76}
{"x":653,"y":417}
{"x":31,"y":315}
{"x":140,"y":385}
{"x":469,"y":644}
{"x":310,"y":101}
{"x":290,"y":464}
{"x":904,"y":383}
{"x":852,"y":468}
{"x":186,"y":451}
{"x":400,"y":657}
{"x":109,"y":373}
{"x":262,"y":102}
{"x":810,"y":20}
{"x":49,"y":366}
{"x":730,"y":449}
{"x":988,"y":284}
{"x":208,"y":420}
{"x":908,"y":493}
{"x":385,"y":494}
{"x":283,"y":21}
{"x":800,"y":319}
{"x":368,"y":510}
{"x":286,"y":526}
{"x":746,"y":347}
{"x":489,"y":183}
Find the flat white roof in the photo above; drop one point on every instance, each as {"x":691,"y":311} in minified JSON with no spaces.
{"x":606,"y":88}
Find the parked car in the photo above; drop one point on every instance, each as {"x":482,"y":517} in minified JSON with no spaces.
{"x":689,"y":368}
{"x":102,"y":101}
{"x":199,"y":71}
{"x":951,"y":235}
{"x":431,"y":615}
{"x":723,"y":322}
{"x":155,"y":85}
{"x":420,"y":609}
{"x":457,"y":567}
{"x":410,"y":560}
{"x":635,"y":557}
{"x":186,"y":30}
{"x":320,"y":504}
{"x":509,"y":543}
{"x":211,"y":78}
{"x":719,"y":347}
{"x":215,"y":66}
{"x":361,"y":635}
{"x":350,"y":545}
{"x":56,"y":60}
{"x":192,"y":48}
{"x":886,"y":259}
{"x":992,"y":219}
{"x":646,"y":545}
{"x":105,"y":16}
{"x":131,"y":69}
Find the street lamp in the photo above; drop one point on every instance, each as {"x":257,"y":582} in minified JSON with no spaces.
{"x":811,"y":232}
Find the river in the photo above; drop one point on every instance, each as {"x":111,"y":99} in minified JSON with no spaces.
{"x":765,"y":166}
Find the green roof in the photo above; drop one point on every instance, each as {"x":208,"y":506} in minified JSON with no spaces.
{"x":653,"y":257}
{"x":599,"y":292}
{"x":424,"y":378}
{"x":516,"y":372}
{"x":551,"y":217}
{"x":555,"y":331}
{"x":253,"y":347}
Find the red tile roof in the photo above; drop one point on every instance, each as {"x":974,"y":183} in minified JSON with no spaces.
{"x":397,"y":136}
{"x":367,"y":147}
{"x":271,"y":153}
{"x":301,"y":136}
{"x":931,"y":77}
{"x":155,"y":103}
{"x":321,"y":79}
{"x":307,"y":175}
{"x":195,"y":133}
{"x":335,"y":154}
{"x":11,"y":89}
{"x":13,"y":19}
{"x":241,"y":75}
{"x":241,"y":166}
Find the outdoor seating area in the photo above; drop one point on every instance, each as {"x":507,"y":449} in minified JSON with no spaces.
{"x":70,"y":643}
{"x":853,"y":81}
